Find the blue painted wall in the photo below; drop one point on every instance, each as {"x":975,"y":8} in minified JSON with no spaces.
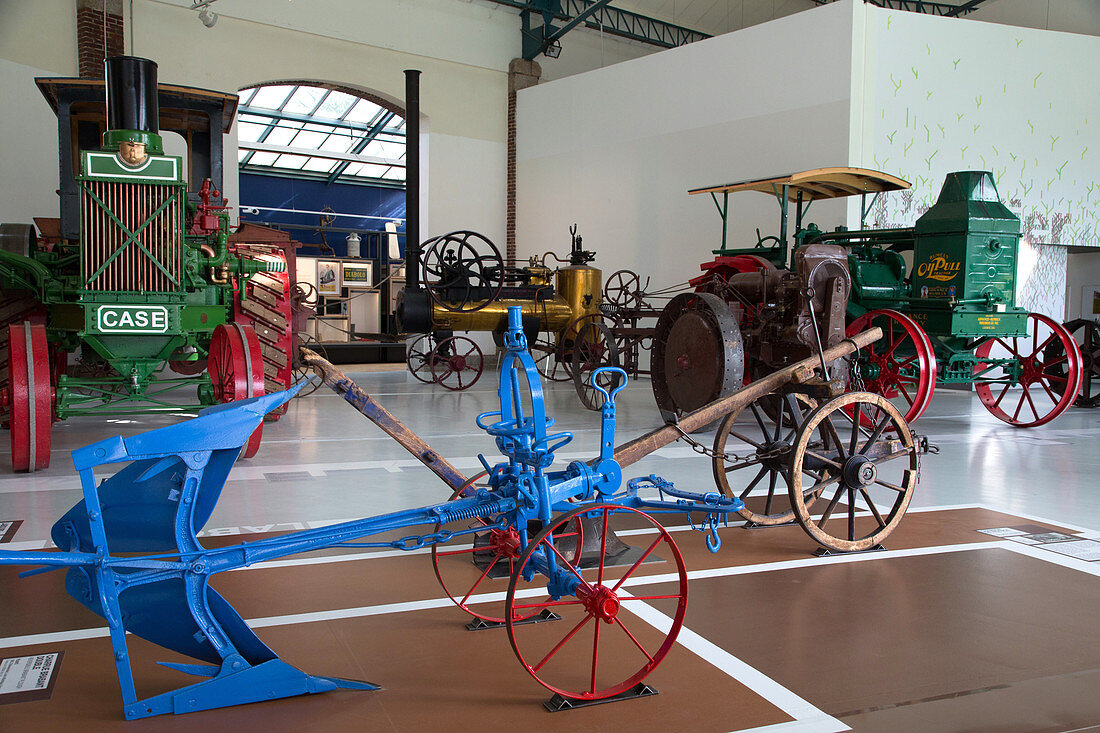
{"x":310,"y":195}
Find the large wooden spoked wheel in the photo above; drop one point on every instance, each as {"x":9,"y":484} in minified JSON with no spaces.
{"x":901,"y":366}
{"x":31,"y":396}
{"x":463,"y":271}
{"x":860,"y":477}
{"x":457,"y":363}
{"x":471,"y":572}
{"x":759,"y":438}
{"x":1087,"y":335}
{"x":417,"y":357}
{"x":597,"y":650}
{"x":237,"y":371}
{"x":1049,"y":376}
{"x":594,"y":348}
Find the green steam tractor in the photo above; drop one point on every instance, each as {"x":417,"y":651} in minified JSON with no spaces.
{"x":137,"y":273}
{"x":943,"y":291}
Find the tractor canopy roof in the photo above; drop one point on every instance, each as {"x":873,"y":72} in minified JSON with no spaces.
{"x":819,"y":183}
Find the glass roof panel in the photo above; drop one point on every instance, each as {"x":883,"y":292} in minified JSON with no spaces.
{"x":260,"y":158}
{"x":329,"y":108}
{"x":363,"y":111}
{"x":249,"y":131}
{"x":336,"y":105}
{"x":304,"y":100}
{"x":311,"y":140}
{"x":290,"y":161}
{"x":283,"y":134}
{"x":320,"y":164}
{"x":271,"y":97}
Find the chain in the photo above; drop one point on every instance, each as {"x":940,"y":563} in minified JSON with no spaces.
{"x":727,"y":457}
{"x":855,"y":375}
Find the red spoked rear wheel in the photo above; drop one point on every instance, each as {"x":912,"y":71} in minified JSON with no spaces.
{"x":31,"y":396}
{"x":237,"y":371}
{"x":457,"y":363}
{"x":597,"y":650}
{"x":1049,"y":379}
{"x":469,"y":573}
{"x":901,"y":366}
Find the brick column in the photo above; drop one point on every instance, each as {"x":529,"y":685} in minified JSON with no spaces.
{"x":89,"y":35}
{"x":521,"y":74}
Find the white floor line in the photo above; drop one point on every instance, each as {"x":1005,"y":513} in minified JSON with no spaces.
{"x":806,"y":716}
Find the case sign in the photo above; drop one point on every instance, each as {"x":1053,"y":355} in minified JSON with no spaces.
{"x":132,"y":319}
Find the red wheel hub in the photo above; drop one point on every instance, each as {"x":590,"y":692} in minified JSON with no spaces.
{"x":505,"y":542}
{"x":600,"y":602}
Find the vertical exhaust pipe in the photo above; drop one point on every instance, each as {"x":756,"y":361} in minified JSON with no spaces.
{"x":412,"y":179}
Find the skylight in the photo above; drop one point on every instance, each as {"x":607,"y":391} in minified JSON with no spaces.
{"x":279,"y":124}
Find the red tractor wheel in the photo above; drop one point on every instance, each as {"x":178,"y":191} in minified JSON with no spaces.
{"x":31,"y":396}
{"x":1089,"y":343}
{"x":573,"y":658}
{"x":1050,"y":374}
{"x":237,"y":371}
{"x":901,"y":366}
{"x":457,"y":363}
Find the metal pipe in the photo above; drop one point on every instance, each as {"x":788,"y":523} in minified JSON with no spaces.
{"x":412,"y":179}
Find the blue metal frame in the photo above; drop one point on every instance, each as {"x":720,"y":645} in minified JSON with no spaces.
{"x":158,"y":503}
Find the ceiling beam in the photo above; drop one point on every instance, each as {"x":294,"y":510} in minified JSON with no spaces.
{"x":609,"y":20}
{"x":920,"y":6}
{"x":315,"y":153}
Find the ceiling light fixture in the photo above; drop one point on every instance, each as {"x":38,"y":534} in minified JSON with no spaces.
{"x":207,"y":17}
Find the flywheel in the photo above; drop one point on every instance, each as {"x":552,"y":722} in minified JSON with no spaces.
{"x":697,"y":355}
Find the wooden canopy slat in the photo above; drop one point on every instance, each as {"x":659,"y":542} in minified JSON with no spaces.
{"x":172,"y":115}
{"x":819,"y":183}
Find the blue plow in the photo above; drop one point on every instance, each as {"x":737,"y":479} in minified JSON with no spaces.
{"x":155,"y":506}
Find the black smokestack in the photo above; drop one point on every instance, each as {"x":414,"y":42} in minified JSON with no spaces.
{"x":412,"y":179}
{"x":132,"y":94}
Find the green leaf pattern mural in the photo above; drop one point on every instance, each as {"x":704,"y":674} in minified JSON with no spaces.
{"x":981,"y":96}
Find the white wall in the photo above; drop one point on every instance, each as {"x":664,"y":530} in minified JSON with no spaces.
{"x":1084,"y":270}
{"x":462,"y":48}
{"x":616,"y":149}
{"x":943,"y":94}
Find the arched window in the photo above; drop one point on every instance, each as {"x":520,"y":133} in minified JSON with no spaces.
{"x":319,"y":132}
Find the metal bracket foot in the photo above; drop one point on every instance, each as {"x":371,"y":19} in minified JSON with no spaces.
{"x":826,"y":552}
{"x":756,"y":525}
{"x":559,"y":702}
{"x":480,"y":624}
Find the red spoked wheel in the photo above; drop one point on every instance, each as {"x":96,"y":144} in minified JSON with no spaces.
{"x":572,"y":657}
{"x":1049,"y":367}
{"x":418,"y":357}
{"x":456,"y":363}
{"x":31,"y":396}
{"x":237,"y":371}
{"x":487,"y":565}
{"x":901,"y":366}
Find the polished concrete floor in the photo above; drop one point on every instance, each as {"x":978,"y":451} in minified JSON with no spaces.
{"x":950,"y":629}
{"x":323,"y":461}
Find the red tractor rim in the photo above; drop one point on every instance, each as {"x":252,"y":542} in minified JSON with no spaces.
{"x":457,"y":363}
{"x":31,"y":396}
{"x":892,"y":381}
{"x":236,"y":371}
{"x":1041,"y":387}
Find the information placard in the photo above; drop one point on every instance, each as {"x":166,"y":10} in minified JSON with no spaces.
{"x":28,"y":678}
